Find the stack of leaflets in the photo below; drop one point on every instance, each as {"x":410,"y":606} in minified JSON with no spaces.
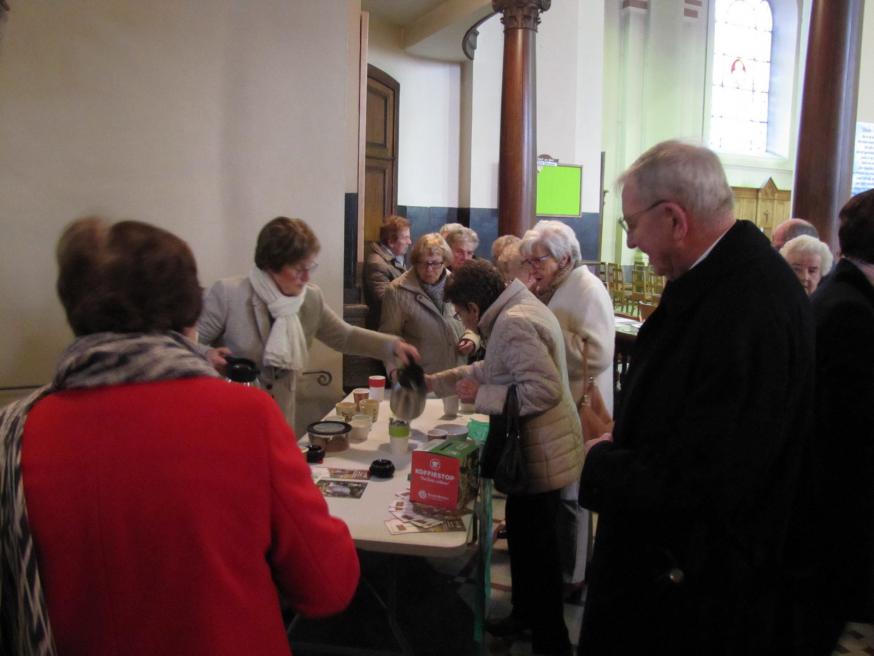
{"x":410,"y":519}
{"x":345,"y":483}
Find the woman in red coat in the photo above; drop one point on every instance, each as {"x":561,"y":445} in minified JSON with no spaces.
{"x":157,"y":508}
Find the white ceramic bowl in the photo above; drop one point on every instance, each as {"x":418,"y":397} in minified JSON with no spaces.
{"x":453,"y":431}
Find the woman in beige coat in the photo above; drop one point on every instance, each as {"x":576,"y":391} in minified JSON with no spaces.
{"x":526,"y":349}
{"x":272,"y":315}
{"x":414,"y":308}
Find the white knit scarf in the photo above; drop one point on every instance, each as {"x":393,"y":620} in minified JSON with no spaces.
{"x":286,"y":346}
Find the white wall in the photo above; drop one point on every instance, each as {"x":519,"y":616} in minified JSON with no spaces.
{"x":570,"y":63}
{"x":429,"y":122}
{"x":205,"y":122}
{"x":486,"y":114}
{"x":436,"y":151}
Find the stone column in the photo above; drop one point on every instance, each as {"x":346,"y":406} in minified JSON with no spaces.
{"x":517,"y":170}
{"x":824,"y":165}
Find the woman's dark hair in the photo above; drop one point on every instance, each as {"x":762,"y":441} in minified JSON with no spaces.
{"x":856,"y":232}
{"x":126,"y":277}
{"x":475,"y":281}
{"x":284,"y":241}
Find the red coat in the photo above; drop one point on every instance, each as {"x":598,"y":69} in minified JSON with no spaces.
{"x":162,"y":514}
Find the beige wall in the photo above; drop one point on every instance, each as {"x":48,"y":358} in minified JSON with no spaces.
{"x":205,"y":122}
{"x":450,"y":116}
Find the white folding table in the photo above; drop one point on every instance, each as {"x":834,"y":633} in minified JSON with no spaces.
{"x":366,"y":516}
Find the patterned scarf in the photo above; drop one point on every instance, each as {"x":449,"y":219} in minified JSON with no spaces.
{"x":435,"y":291}
{"x":96,"y":360}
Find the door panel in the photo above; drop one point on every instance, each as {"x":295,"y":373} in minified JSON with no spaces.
{"x":378,"y":191}
{"x":381,"y":165}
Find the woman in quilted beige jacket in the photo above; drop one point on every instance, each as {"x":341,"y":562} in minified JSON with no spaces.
{"x":525,"y":348}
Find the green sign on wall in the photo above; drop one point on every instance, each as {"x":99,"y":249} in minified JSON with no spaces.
{"x":559,"y":190}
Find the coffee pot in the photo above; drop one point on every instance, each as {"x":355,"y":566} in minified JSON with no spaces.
{"x":241,"y":370}
{"x":408,"y":393}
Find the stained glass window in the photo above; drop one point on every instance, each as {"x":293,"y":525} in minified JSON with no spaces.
{"x":741,"y":76}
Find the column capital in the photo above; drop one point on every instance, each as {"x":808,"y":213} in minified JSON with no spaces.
{"x":521,"y":14}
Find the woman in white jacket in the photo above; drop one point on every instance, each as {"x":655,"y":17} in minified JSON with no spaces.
{"x":584,"y":311}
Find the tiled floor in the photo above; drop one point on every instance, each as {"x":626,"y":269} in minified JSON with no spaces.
{"x":858,"y":639}
{"x":500,"y":606}
{"x":500,"y":598}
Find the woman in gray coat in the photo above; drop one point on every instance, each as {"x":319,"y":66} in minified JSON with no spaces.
{"x":414,"y":308}
{"x":526,"y":349}
{"x":272,"y":315}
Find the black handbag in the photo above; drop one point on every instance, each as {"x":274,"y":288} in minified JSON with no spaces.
{"x":502,"y":459}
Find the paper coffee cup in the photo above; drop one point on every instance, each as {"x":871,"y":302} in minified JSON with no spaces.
{"x":370,"y":407}
{"x":399,"y":445}
{"x":347,"y":409}
{"x":359,"y":394}
{"x":450,"y":406}
{"x":376,"y":387}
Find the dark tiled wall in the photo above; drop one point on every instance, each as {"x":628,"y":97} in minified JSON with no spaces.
{"x":485,"y":222}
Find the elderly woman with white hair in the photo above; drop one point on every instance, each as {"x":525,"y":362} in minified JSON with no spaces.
{"x":809,"y":258}
{"x":580,"y":302}
{"x":463,"y":242}
{"x":508,"y":259}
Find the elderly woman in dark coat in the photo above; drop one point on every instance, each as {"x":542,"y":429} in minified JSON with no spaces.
{"x":385,"y":262}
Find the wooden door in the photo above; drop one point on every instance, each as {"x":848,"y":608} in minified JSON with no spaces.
{"x":381,"y":151}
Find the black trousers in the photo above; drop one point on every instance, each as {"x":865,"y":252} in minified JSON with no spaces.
{"x":536,"y":569}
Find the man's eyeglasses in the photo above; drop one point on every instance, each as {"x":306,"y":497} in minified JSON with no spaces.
{"x":431,"y":264}
{"x":625,"y":221}
{"x":535,"y":262}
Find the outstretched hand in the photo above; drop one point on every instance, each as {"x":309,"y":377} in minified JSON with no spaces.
{"x":406,"y":352}
{"x":465,"y":346}
{"x":466,"y":389}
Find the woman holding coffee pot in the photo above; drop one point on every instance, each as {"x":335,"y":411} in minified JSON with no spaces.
{"x":272,"y":314}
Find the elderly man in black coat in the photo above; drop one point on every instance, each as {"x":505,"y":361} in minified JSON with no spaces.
{"x":843,"y":306}
{"x":698,"y":484}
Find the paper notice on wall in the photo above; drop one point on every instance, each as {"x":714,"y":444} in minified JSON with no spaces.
{"x":863,"y":160}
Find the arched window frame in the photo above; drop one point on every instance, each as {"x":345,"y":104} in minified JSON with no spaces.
{"x":784,"y":95}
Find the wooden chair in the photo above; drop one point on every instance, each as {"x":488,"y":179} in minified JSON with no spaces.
{"x":646,"y":309}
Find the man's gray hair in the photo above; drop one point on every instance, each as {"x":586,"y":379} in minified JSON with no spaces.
{"x":689,"y":175}
{"x":461,"y":234}
{"x":557,"y":238}
{"x":798,"y":227}
{"x":446,"y":228}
